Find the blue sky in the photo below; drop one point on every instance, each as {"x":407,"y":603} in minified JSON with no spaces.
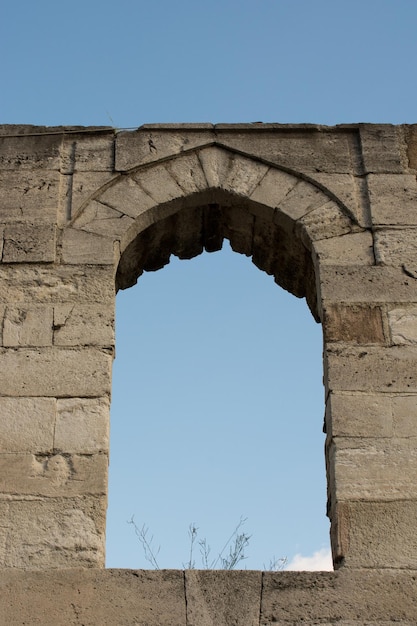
{"x":217,"y":398}
{"x":90,"y":62}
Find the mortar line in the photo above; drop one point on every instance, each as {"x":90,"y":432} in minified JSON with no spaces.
{"x":185,"y":597}
{"x":261,"y":597}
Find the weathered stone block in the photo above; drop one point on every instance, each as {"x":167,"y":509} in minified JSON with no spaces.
{"x":396,"y":247}
{"x":301,"y":200}
{"x":188,"y":222}
{"x":3,"y":544}
{"x":56,"y":372}
{"x":324,"y":222}
{"x":404,"y":412}
{"x":263,"y":253}
{"x":2,"y":310}
{"x":29,"y":244}
{"x":150,"y":143}
{"x":82,"y":425}
{"x":309,"y":149}
{"x":218,"y":597}
{"x":52,"y":475}
{"x":347,"y":191}
{"x":274,"y":187}
{"x":55,"y":533}
{"x":31,"y":196}
{"x":368,"y":284}
{"x":393,"y":199}
{"x":83,"y":325}
{"x":359,"y":324}
{"x":158,"y":183}
{"x":43,"y":284}
{"x":28,"y":326}
{"x":40,"y":150}
{"x":85,"y":184}
{"x":350,"y":249}
{"x":127,"y":197}
{"x":371,"y":369}
{"x":244,"y":175}
{"x":88,"y":152}
{"x":410,"y":135}
{"x":215,"y":163}
{"x":362,"y":597}
{"x":137,"y":597}
{"x":94,"y":597}
{"x":27,"y":424}
{"x":103,"y":220}
{"x":80,"y":248}
{"x":373,"y":469}
{"x":188,"y":173}
{"x":383,"y":148}
{"x":403,"y":325}
{"x":239,"y":225}
{"x":359,"y":415}
{"x":377,"y":535}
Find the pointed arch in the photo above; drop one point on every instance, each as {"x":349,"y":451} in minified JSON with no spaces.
{"x":190,"y":202}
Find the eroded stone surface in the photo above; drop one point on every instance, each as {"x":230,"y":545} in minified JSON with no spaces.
{"x":54,"y":532}
{"x":393,"y":199}
{"x":374,"y":469}
{"x":361,"y":597}
{"x":215,"y":597}
{"x":81,"y":248}
{"x":51,"y":372}
{"x":371,"y":369}
{"x":109,"y":597}
{"x":358,"y":324}
{"x":385,"y":530}
{"x":360,"y":415}
{"x":27,"y":243}
{"x":83,"y":325}
{"x":396,"y":246}
{"x":63,"y":283}
{"x":82,"y":425}
{"x":94,"y":597}
{"x":403,"y":325}
{"x":350,"y":249}
{"x":27,"y":424}
{"x":32,"y":196}
{"x":28,"y":326}
{"x":331,"y":215}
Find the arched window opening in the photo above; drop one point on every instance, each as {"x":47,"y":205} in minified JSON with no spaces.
{"x":217,"y":413}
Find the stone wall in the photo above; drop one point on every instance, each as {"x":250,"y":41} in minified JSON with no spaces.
{"x":93,"y":597}
{"x":331,"y":213}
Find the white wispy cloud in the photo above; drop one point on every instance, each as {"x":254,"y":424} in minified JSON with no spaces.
{"x":319,"y":561}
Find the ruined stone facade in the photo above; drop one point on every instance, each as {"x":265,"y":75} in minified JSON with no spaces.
{"x":331,"y":213}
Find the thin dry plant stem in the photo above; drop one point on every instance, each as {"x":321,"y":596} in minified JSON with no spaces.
{"x":148,"y":550}
{"x":235,"y":556}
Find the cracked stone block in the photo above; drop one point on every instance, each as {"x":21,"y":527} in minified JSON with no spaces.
{"x":28,"y":326}
{"x":29,"y":244}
